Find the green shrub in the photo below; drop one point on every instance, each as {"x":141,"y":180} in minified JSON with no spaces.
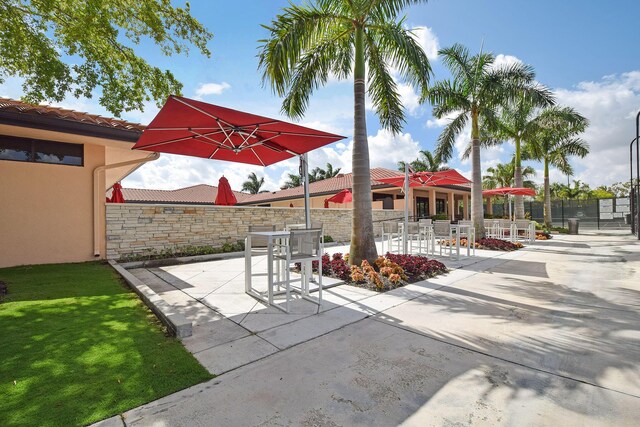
{"x":439,"y":217}
{"x":182,"y":251}
{"x":327,"y":239}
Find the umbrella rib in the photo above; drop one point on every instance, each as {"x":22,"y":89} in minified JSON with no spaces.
{"x":257,"y":157}
{"x":298,"y":134}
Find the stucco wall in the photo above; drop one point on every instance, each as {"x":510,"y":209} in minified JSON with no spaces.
{"x":46,"y":211}
{"x":136,"y":228}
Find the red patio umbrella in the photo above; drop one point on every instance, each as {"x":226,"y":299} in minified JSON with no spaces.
{"x":428,"y":179}
{"x":344,"y":196}
{"x":116,"y":194}
{"x":195,"y":128}
{"x":225,"y":196}
{"x":509,"y":191}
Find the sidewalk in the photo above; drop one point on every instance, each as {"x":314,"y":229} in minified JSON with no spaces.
{"x":548,"y":334}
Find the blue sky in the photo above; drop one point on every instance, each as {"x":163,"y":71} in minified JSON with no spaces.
{"x":585,"y":51}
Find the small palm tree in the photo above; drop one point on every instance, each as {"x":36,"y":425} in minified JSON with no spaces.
{"x":294,"y":181}
{"x":363,"y":40}
{"x":556,"y":141}
{"x":502,"y":175}
{"x":474,"y":95}
{"x":253,"y":184}
{"x":426,"y":162}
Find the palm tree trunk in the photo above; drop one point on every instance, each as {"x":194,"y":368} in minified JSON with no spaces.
{"x":547,"y":196}
{"x":517,"y":178}
{"x":362,"y":238}
{"x":477,"y":213}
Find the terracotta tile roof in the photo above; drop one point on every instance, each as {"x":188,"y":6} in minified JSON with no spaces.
{"x":197,"y":194}
{"x":326,"y":186}
{"x":7,"y":104}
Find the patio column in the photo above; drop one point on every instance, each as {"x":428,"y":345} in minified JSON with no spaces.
{"x":411,"y":201}
{"x":489,"y":206}
{"x":432,"y":201}
{"x":451,"y":207}
{"x":465,"y":206}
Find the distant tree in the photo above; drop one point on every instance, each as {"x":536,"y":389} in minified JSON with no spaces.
{"x":602,"y":192}
{"x":75,"y":46}
{"x":294,"y":181}
{"x":253,"y":184}
{"x":426,"y":162}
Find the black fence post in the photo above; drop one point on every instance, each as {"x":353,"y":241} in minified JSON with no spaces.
{"x":562,"y":210}
{"x":598,"y":211}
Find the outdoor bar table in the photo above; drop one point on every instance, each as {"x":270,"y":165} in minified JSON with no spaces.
{"x":272,"y":238}
{"x":458,"y":230}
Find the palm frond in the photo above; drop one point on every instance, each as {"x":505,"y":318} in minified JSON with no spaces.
{"x":383,"y":89}
{"x":447,"y":139}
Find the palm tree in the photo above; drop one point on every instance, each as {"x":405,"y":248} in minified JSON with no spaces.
{"x":473,"y":96}
{"x":502,"y":175}
{"x":426,"y":162}
{"x":294,"y":181}
{"x":318,"y":174}
{"x":518,"y":121}
{"x":253,"y":184}
{"x":556,"y":141}
{"x":312,"y":42}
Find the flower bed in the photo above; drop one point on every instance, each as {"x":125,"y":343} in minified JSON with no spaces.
{"x":388,"y":272}
{"x":542,"y":235}
{"x":488,"y":244}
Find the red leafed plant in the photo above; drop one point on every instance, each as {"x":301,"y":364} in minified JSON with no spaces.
{"x":388,"y":272}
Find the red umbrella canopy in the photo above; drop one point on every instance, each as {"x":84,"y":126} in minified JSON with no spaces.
{"x":195,"y":128}
{"x":116,"y":194}
{"x":510,"y":191}
{"x":344,"y":196}
{"x":428,"y":179}
{"x":225,"y":196}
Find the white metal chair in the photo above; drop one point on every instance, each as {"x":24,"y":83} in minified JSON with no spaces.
{"x":413,"y":233}
{"x":442,"y":231}
{"x":302,"y":246}
{"x":470,"y":235}
{"x":391,"y":232}
{"x":492,"y":228}
{"x":426,"y":234}
{"x":527,"y":227}
{"x":507,"y":229}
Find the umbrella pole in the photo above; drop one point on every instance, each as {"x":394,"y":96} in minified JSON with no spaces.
{"x":405,"y":243}
{"x":304,"y":173}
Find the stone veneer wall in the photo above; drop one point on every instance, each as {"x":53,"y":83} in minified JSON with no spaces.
{"x":135,"y":228}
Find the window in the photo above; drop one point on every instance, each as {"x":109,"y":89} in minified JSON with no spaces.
{"x":440,"y":206}
{"x":39,"y":151}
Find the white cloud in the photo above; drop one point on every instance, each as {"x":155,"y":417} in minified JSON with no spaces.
{"x":435,"y":123}
{"x":212,"y":89}
{"x":505,"y":60}
{"x":386,"y":150}
{"x":427,"y":40}
{"x":610,"y":105}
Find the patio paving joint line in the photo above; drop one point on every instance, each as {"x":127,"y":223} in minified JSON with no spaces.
{"x":424,"y":334}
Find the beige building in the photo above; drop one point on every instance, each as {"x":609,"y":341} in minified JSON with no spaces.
{"x":55,"y":167}
{"x":452,"y":201}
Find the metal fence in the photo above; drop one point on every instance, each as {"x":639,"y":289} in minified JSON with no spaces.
{"x":613,"y":214}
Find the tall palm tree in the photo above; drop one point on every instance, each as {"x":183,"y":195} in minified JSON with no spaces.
{"x":426,"y":162}
{"x":475,"y":93}
{"x":556,"y":141}
{"x":253,"y":184}
{"x":312,"y":42}
{"x":519,"y":122}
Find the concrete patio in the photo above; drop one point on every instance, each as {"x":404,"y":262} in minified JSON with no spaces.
{"x":546,"y":335}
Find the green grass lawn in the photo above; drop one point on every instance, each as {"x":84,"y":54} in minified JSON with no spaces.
{"x":77,"y":346}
